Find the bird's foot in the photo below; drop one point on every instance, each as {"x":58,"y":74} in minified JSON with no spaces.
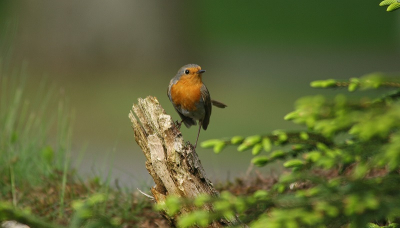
{"x":178,"y":124}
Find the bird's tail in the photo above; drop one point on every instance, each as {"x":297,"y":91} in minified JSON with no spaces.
{"x":218,"y":104}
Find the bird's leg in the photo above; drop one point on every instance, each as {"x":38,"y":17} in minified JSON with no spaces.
{"x":198,"y":134}
{"x":178,"y":124}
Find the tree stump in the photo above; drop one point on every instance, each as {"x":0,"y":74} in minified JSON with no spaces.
{"x":172,"y":163}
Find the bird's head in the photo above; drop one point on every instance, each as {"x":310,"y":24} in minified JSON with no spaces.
{"x":190,"y":70}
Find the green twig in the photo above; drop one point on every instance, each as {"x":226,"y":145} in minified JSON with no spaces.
{"x":13,"y":190}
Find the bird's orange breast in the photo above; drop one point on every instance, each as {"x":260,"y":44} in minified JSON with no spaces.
{"x":186,"y":93}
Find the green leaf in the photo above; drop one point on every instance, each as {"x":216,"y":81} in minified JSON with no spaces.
{"x":313,"y":191}
{"x":293,"y":163}
{"x":249,"y":142}
{"x":173,"y":205}
{"x":371,"y":201}
{"x":242,"y":147}
{"x":297,"y":147}
{"x":372,"y":225}
{"x":322,"y":146}
{"x":280,"y":187}
{"x":257,"y":149}
{"x":266,"y":142}
{"x":200,"y":200}
{"x":237,"y":140}
{"x":393,"y":7}
{"x":210,"y":143}
{"x":313,"y":156}
{"x":323,"y":83}
{"x":387,"y":2}
{"x":354,"y":204}
{"x":261,"y":194}
{"x":360,"y":171}
{"x":85,"y":213}
{"x":330,"y":210}
{"x":252,"y":140}
{"x":78,"y":204}
{"x":373,"y":80}
{"x":227,"y":195}
{"x":278,"y":154}
{"x":222,"y":205}
{"x":291,"y":115}
{"x":199,"y":218}
{"x":260,"y":161}
{"x":282,"y":136}
{"x":354,"y":83}
{"x":304,"y":135}
{"x":240,"y":205}
{"x":96,"y":198}
{"x":218,"y":147}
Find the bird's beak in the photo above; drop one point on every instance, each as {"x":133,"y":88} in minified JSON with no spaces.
{"x":201,"y":71}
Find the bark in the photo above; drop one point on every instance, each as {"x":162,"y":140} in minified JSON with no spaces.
{"x":174,"y":165}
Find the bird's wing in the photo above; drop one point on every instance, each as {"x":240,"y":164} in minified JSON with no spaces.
{"x":205,"y":95}
{"x":169,"y":90}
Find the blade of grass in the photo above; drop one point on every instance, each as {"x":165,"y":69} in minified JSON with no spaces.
{"x":13,"y":190}
{"x":65,"y":146}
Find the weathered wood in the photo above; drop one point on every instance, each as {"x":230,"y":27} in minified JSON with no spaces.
{"x":174,"y":165}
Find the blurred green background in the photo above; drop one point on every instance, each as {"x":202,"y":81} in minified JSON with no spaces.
{"x":259,"y":56}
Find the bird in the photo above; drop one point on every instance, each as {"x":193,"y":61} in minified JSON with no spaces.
{"x":190,"y":97}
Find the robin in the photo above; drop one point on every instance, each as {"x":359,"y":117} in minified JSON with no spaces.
{"x":190,"y":97}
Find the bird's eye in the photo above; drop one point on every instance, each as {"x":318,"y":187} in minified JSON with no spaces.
{"x":187,"y":71}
